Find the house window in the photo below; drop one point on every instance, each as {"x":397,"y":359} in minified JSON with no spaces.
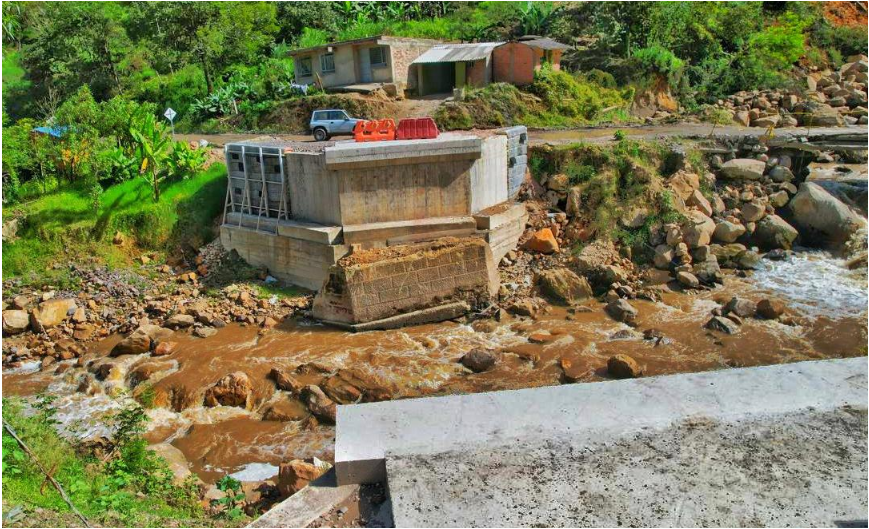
{"x":377,"y":56}
{"x":304,"y":67}
{"x":327,"y":62}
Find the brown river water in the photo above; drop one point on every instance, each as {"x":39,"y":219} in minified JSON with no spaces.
{"x":827,"y":302}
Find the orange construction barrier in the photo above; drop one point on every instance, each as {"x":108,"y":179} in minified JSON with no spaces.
{"x":417,"y":129}
{"x":374,"y":130}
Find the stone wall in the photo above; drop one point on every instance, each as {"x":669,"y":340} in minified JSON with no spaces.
{"x":373,"y":285}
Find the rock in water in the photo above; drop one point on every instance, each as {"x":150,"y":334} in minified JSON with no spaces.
{"x":232,"y":390}
{"x":720,"y":324}
{"x":563,"y":286}
{"x":822,"y":218}
{"x":623,"y":366}
{"x":687,"y":280}
{"x":770,"y":309}
{"x":320,"y":405}
{"x":743,"y":308}
{"x":621,"y":310}
{"x":743,"y":169}
{"x":479,"y":360}
{"x":774,"y":232}
{"x":180,"y":321}
{"x":134,"y":344}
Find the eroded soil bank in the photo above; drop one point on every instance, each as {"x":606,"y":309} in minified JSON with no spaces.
{"x":826,"y":309}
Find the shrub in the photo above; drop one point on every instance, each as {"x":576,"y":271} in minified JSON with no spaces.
{"x":565,"y":95}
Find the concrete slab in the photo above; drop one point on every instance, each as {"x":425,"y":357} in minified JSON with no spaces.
{"x":499,"y":215}
{"x":443,"y":312}
{"x":803,"y":469}
{"x":372,"y":154}
{"x":306,"y":231}
{"x":406,"y":229}
{"x":368,"y":433}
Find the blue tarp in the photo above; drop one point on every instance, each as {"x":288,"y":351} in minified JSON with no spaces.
{"x":55,"y":131}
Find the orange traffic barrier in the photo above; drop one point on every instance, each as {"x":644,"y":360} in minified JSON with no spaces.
{"x":374,"y":130}
{"x":417,"y":129}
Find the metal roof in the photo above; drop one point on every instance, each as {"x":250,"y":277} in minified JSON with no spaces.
{"x":457,"y":52}
{"x":544,"y":43}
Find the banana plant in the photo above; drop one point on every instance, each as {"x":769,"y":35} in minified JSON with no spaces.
{"x":152,"y":144}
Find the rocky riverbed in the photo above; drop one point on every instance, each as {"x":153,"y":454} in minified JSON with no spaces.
{"x":765,"y":263}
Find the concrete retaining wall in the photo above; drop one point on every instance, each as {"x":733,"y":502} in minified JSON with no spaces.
{"x":373,"y":285}
{"x":297,"y":261}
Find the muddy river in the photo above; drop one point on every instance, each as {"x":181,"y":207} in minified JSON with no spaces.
{"x":827,"y":303}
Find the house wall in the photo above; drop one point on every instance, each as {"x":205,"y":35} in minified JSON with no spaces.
{"x":516,"y":62}
{"x":403,"y":54}
{"x":479,"y":73}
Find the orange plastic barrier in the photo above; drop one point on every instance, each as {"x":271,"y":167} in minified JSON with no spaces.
{"x":417,"y":129}
{"x":374,"y":130}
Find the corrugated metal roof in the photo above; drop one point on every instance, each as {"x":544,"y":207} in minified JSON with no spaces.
{"x":544,"y":43}
{"x":457,"y":52}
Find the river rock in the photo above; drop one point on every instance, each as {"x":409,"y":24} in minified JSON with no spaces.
{"x":562,"y":285}
{"x":320,"y":405}
{"x":623,"y":366}
{"x":164,"y":348}
{"x":770,"y":309}
{"x":295,"y":475}
{"x":720,"y":324}
{"x":779,"y":199}
{"x":232,"y":390}
{"x":781,"y":174}
{"x":728,"y":232}
{"x":774,"y":232}
{"x":51,"y":313}
{"x":134,"y":344}
{"x":340,"y":390}
{"x":621,"y":310}
{"x":15,"y":321}
{"x":543,"y":241}
{"x":574,"y":202}
{"x":286,"y":410}
{"x":698,"y":229}
{"x":687,"y":279}
{"x":558,"y":183}
{"x":284,"y":381}
{"x":180,"y":321}
{"x":683,"y":184}
{"x":708,"y":271}
{"x":822,"y":218}
{"x":479,"y":360}
{"x":698,"y":201}
{"x":744,"y":308}
{"x":743,"y":169}
{"x":663,"y":257}
{"x":752,"y":211}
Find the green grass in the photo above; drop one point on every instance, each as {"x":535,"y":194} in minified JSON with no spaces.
{"x":62,"y":225}
{"x":92,"y":486}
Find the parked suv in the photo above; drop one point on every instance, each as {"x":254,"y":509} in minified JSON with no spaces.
{"x":327,"y":123}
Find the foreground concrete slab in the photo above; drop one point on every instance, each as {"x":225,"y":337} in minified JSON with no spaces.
{"x":772,"y":445}
{"x":305,"y":506}
{"x":805,"y":469}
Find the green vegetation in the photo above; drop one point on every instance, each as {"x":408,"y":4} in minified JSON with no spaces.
{"x":613,"y":180}
{"x":554,"y":99}
{"x":127,"y":485}
{"x":62,"y":225}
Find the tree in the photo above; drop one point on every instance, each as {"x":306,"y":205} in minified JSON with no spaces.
{"x":153,"y":142}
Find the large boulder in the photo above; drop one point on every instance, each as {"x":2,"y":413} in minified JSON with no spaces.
{"x":698,"y":229}
{"x":232,"y":390}
{"x":623,"y":366}
{"x":728,"y":232}
{"x":175,"y":459}
{"x":774,"y":232}
{"x":621,"y":310}
{"x":51,"y":313}
{"x":563,"y":286}
{"x":320,"y":405}
{"x":708,"y":271}
{"x":542,"y":241}
{"x":743,"y":169}
{"x":752,"y":211}
{"x":720,"y":324}
{"x":135,"y":344}
{"x":15,"y":321}
{"x":180,"y":321}
{"x":479,"y":360}
{"x":698,"y":201}
{"x":823,"y":219}
{"x":573,"y":206}
{"x":684,"y":184}
{"x":295,"y":475}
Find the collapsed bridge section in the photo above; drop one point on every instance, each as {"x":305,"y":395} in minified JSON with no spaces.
{"x":297,"y":208}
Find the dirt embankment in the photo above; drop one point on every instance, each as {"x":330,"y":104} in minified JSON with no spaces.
{"x":852,"y":14}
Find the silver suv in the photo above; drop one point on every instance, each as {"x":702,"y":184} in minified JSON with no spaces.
{"x":327,"y":123}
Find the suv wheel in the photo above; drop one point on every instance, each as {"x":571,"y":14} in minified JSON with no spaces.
{"x":320,"y":134}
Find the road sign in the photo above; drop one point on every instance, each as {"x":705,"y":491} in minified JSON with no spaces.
{"x":170,"y":114}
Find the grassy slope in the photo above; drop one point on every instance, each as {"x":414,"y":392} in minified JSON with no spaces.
{"x":62,"y":225}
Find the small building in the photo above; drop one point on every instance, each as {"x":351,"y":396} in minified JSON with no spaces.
{"x":447,"y":66}
{"x":515,"y":62}
{"x":368,"y":61}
